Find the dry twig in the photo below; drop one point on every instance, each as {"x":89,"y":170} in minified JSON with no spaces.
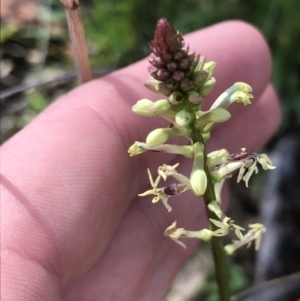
{"x":79,"y":45}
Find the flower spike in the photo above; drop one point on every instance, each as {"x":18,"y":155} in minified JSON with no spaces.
{"x":184,"y":79}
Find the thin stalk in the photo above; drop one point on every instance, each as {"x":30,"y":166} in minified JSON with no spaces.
{"x":219,"y":255}
{"x":79,"y":46}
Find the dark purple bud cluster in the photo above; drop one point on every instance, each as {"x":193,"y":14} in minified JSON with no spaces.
{"x":171,"y":63}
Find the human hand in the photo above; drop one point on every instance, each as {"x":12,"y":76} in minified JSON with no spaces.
{"x":72,"y":226}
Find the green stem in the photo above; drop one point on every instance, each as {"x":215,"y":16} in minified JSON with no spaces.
{"x":219,"y":255}
{"x":217,"y":248}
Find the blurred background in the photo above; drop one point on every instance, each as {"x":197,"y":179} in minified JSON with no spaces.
{"x":36,"y":67}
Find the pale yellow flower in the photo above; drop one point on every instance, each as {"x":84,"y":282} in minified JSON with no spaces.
{"x":246,"y":162}
{"x":163,"y":193}
{"x":176,"y":233}
{"x":254,"y":234}
{"x":225,"y":226}
{"x":239,"y":92}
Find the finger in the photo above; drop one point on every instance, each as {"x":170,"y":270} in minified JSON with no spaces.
{"x":152,"y":260}
{"x":57,"y":168}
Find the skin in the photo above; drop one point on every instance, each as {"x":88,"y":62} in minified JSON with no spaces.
{"x":72,"y":225}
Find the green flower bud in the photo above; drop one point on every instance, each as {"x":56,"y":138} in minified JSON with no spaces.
{"x":210,"y":67}
{"x":198,"y":182}
{"x":229,"y":249}
{"x":160,"y":106}
{"x":157,"y":86}
{"x":206,"y":136}
{"x":136,"y":149}
{"x":183,"y":118}
{"x":219,"y":115}
{"x":204,"y":235}
{"x":164,"y":109}
{"x":160,"y":136}
{"x":207,"y":86}
{"x":205,"y":131}
{"x":200,"y":77}
{"x":142,"y":108}
{"x":217,"y":157}
{"x":186,"y":85}
{"x":213,"y":206}
{"x":214,"y":116}
{"x":195,"y":98}
{"x":198,"y":177}
{"x":176,"y":98}
{"x":207,"y":128}
{"x":200,"y":64}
